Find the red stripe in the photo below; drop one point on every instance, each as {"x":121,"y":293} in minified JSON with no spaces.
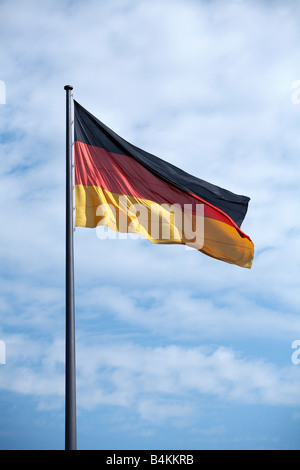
{"x":122,"y":174}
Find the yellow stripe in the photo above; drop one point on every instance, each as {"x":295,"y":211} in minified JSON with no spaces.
{"x":160,"y":224}
{"x":223,"y":242}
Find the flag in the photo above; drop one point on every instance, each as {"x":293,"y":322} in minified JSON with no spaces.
{"x":131,"y":191}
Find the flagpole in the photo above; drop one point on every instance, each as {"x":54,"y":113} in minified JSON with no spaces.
{"x":70,"y":372}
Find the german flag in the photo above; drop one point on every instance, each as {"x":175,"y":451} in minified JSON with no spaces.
{"x":130,"y":190}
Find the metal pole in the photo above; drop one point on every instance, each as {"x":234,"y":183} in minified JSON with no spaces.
{"x":70,"y":374}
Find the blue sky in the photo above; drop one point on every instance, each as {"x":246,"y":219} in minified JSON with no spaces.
{"x":174,"y":350}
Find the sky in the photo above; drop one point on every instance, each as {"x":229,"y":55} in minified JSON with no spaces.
{"x":174,"y":350}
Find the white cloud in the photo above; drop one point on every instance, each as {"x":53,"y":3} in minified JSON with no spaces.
{"x":157,"y":384}
{"x":130,"y":375}
{"x":181,"y":315}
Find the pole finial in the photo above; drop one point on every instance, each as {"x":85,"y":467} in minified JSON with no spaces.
{"x":68,"y":87}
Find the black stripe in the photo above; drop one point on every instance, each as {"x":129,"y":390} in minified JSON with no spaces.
{"x":89,"y":130}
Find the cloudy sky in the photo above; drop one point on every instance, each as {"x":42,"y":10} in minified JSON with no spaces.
{"x":174,"y":350}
